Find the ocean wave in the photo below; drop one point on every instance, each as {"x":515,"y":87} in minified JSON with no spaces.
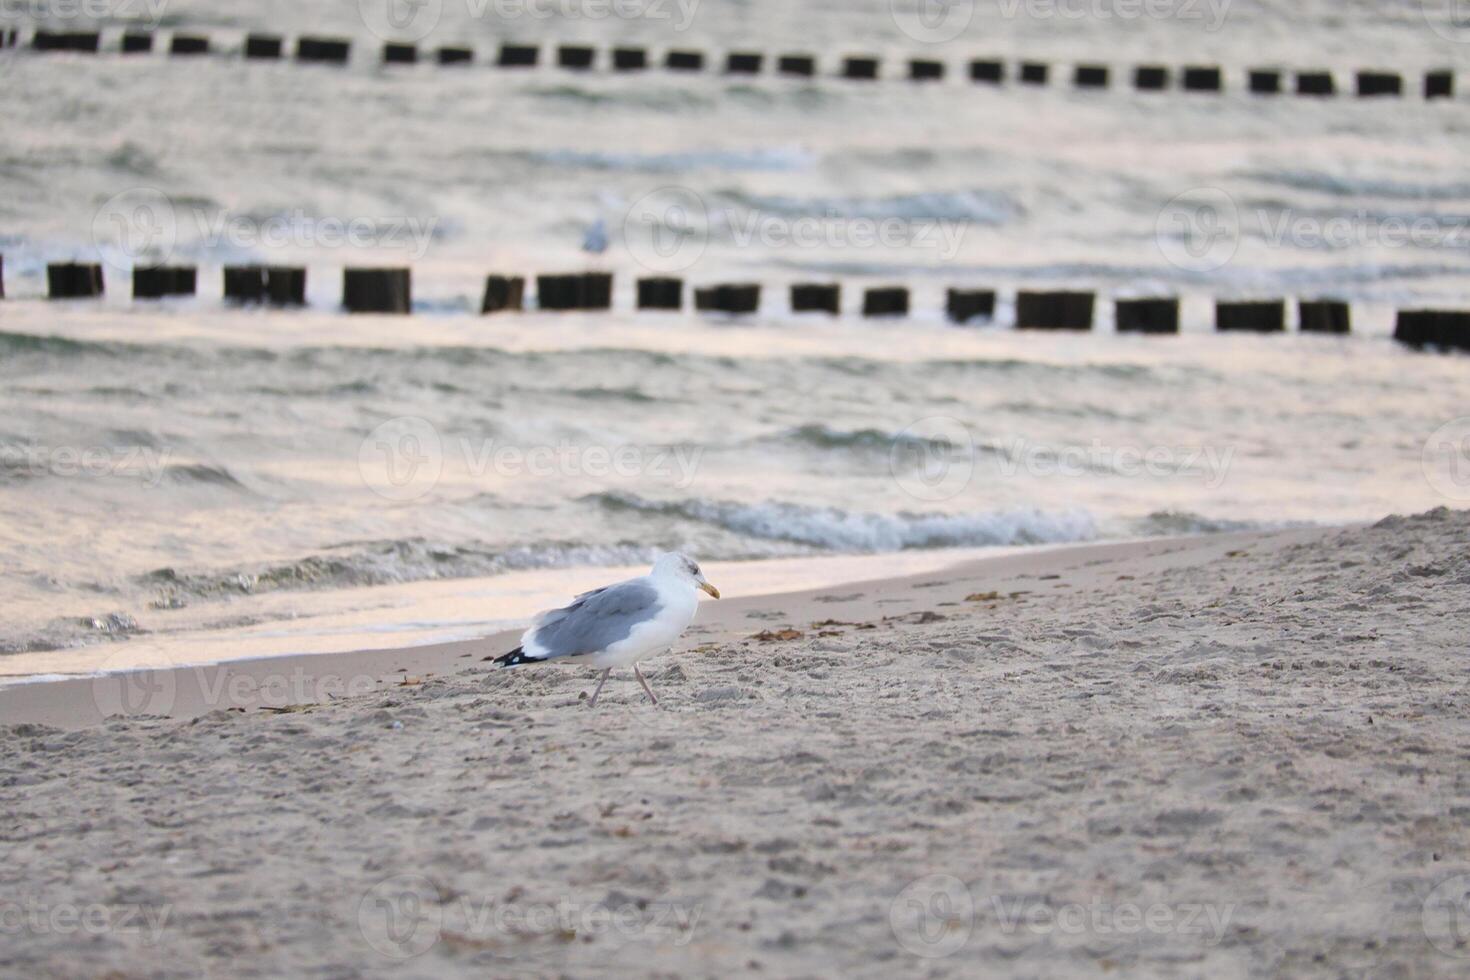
{"x":627,"y":394}
{"x":838,"y":530}
{"x":820,"y":436}
{"x":661,"y":100}
{"x":1041,"y":409}
{"x":1119,"y":371}
{"x":1341,"y":186}
{"x":977,"y":206}
{"x":123,"y":393}
{"x":345,"y":389}
{"x":388,"y":562}
{"x":16,"y":345}
{"x":202,"y":473}
{"x":133,"y":437}
{"x":15,"y":467}
{"x":863,"y":367}
{"x":25,"y":343}
{"x":370,"y":563}
{"x":60,"y":634}
{"x":762,"y":160}
{"x":346,"y":361}
{"x":133,"y":160}
{"x":1171,"y":522}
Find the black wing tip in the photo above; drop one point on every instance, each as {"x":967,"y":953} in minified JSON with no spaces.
{"x":515,"y":658}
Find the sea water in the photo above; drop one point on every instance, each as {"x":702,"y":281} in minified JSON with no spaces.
{"x":183,"y":467}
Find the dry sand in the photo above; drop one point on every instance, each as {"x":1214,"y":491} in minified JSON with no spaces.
{"x":1242,"y":755}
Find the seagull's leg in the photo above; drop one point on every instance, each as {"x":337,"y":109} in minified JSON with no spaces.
{"x":645,"y":684}
{"x":593,"y":702}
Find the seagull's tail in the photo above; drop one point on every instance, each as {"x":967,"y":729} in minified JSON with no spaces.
{"x":515,"y":658}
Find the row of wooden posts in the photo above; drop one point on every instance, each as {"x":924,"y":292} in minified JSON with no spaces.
{"x":1436,"y":84}
{"x":374,"y":290}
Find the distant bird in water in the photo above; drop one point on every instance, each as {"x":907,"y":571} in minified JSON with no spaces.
{"x":594,"y":239}
{"x":619,"y":625}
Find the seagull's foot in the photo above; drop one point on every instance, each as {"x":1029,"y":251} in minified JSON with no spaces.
{"x":646,"y":688}
{"x":600,"y":682}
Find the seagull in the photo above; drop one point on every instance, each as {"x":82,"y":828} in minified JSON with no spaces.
{"x":618,"y":625}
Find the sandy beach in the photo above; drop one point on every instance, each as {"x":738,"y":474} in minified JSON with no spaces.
{"x":1224,"y":756}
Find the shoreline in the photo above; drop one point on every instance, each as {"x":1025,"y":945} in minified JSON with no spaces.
{"x":280,"y":681}
{"x":430,"y":612}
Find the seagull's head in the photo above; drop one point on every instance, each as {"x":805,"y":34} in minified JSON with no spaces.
{"x":682,"y":568}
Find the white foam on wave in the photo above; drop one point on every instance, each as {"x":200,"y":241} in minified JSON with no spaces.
{"x":835,"y":529}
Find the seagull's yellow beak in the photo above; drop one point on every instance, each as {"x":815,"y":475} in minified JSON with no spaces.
{"x":705,"y":586}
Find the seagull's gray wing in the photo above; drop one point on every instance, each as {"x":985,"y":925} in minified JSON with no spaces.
{"x":595,"y":621}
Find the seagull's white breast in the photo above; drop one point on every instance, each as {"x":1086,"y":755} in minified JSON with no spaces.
{"x":678,"y":601}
